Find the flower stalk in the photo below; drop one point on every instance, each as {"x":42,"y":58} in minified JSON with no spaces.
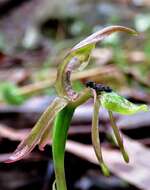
{"x":60,"y":131}
{"x":62,"y":108}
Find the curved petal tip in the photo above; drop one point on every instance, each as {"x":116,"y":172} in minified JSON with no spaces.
{"x":18,"y":155}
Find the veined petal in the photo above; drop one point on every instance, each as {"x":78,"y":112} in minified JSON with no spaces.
{"x":118,"y":137}
{"x":78,"y":57}
{"x":115,"y":103}
{"x":95,"y":135}
{"x":46,"y":136}
{"x":33,"y":138}
{"x":101,"y":34}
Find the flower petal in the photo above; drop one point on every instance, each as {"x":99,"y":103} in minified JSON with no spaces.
{"x":118,"y":137}
{"x":100,"y":35}
{"x":46,"y":136}
{"x":27,"y":145}
{"x":113,"y":102}
{"x":78,"y":57}
{"x":95,"y":135}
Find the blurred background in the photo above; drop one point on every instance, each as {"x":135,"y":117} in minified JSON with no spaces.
{"x":34,"y":37}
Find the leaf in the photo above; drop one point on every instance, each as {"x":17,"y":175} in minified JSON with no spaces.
{"x":78,"y":57}
{"x":137,"y":172}
{"x":37,"y":132}
{"x":11,"y":94}
{"x":115,"y":103}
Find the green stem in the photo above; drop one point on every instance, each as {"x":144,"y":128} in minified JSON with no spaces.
{"x":61,"y":126}
{"x":60,"y":130}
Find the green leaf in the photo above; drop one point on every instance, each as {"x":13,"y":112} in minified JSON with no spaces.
{"x":78,"y":58}
{"x":11,"y":94}
{"x":115,"y":103}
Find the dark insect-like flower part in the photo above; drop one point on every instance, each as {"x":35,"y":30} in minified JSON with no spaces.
{"x":98,"y":87}
{"x":60,"y":112}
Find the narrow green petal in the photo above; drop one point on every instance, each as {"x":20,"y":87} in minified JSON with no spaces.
{"x":113,"y":102}
{"x":118,"y":137}
{"x":27,"y":145}
{"x":73,"y":61}
{"x":78,"y":58}
{"x":101,"y":34}
{"x":47,"y":135}
{"x":95,"y":135}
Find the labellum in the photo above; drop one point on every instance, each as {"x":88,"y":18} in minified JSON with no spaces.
{"x":113,"y":102}
{"x":60,"y":112}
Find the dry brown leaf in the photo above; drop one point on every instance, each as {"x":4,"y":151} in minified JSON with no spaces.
{"x":137,"y":172}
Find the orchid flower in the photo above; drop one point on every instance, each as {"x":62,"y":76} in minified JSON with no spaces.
{"x":55,"y":121}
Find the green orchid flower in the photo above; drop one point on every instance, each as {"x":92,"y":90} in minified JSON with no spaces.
{"x":55,"y":121}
